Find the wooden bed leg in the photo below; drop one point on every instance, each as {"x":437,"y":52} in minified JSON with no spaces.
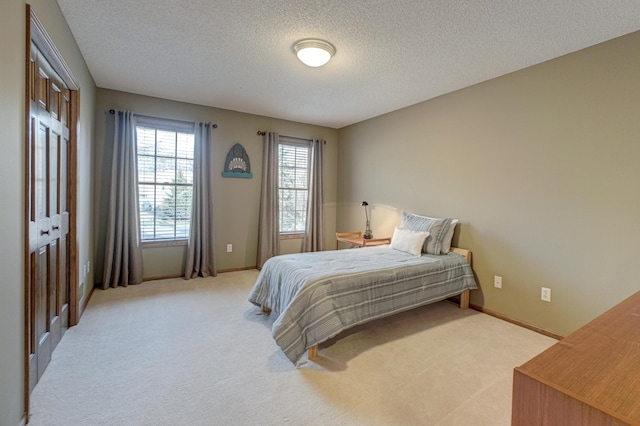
{"x":266,"y":310}
{"x":313,"y":352}
{"x":464,"y":299}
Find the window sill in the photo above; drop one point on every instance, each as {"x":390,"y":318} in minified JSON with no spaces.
{"x":291,"y":236}
{"x":164,"y":243}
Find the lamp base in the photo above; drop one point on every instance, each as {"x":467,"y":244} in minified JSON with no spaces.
{"x":367,"y":235}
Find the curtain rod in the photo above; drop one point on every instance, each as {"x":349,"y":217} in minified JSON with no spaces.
{"x":113,"y":111}
{"x":262,"y":133}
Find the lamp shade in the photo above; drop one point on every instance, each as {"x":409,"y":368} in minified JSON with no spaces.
{"x":313,"y":52}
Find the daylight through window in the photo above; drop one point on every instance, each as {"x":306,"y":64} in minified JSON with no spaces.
{"x":165,"y":181}
{"x":293,"y":185}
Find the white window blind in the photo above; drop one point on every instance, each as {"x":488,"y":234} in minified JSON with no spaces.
{"x":165,"y":179}
{"x":293,"y":185}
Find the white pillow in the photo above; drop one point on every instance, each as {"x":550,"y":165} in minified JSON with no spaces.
{"x":408,"y":241}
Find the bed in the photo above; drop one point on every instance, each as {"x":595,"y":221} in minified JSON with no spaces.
{"x":315,"y":296}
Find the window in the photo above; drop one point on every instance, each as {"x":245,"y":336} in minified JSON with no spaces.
{"x":165,"y":178}
{"x":293,"y":185}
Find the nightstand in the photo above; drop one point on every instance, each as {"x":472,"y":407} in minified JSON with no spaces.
{"x":356,"y":239}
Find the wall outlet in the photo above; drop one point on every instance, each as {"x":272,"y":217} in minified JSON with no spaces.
{"x":88,"y":266}
{"x":545,"y":294}
{"x":497,"y":281}
{"x":229,"y":248}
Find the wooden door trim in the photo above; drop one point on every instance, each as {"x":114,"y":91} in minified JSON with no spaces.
{"x":72,"y":198}
{"x":36,"y":32}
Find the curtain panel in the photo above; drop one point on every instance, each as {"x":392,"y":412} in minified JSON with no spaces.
{"x":201,"y":248}
{"x":268,"y":228}
{"x":123,"y":253}
{"x":315,"y":218}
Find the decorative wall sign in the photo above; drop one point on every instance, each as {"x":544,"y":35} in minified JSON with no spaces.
{"x":237,"y":164}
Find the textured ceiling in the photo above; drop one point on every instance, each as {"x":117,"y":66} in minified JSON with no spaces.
{"x":237,"y":54}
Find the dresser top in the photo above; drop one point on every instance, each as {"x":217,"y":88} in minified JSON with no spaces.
{"x":599,"y":364}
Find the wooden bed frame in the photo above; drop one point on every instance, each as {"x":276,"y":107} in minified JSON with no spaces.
{"x":312,"y":352}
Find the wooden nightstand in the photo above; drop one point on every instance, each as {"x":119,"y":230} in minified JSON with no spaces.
{"x":356,"y":239}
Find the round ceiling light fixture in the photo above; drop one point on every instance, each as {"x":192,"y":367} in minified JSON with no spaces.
{"x":314,"y":52}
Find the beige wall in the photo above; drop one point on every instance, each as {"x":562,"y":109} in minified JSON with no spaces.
{"x":12,"y":49}
{"x":541,"y":167}
{"x":12,"y":110}
{"x":236,"y":200}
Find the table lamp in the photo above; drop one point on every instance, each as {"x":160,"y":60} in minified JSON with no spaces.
{"x":367,"y":232}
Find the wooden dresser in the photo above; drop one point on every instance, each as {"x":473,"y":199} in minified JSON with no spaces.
{"x":591,"y":377}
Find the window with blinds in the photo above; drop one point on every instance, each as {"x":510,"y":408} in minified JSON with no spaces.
{"x":293,"y":186}
{"x":165,"y":179}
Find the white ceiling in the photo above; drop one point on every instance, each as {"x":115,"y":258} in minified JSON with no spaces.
{"x":237,"y":54}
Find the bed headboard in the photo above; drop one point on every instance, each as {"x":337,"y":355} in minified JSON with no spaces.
{"x":463,"y":252}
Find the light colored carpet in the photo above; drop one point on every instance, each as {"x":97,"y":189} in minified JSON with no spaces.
{"x":176,"y":352}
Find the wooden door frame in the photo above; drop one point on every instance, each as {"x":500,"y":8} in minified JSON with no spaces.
{"x":36,"y":32}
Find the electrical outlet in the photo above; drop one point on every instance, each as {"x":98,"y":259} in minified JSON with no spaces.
{"x":88,"y":266}
{"x":497,"y":281}
{"x":545,"y":294}
{"x":229,"y":248}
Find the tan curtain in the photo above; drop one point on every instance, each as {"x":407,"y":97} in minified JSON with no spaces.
{"x":123,"y":253}
{"x":268,"y":228}
{"x":315,"y":218}
{"x":201,"y":248}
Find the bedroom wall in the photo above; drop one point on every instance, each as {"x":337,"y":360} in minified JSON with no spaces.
{"x":12,"y":128}
{"x":540,"y":166}
{"x":237,"y":200}
{"x":12,"y":50}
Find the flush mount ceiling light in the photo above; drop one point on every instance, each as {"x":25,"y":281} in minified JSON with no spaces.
{"x":314,"y":52}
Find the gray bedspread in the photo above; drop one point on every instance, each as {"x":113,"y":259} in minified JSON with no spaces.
{"x":317,"y":295}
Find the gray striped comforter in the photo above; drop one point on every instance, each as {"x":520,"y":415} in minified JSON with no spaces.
{"x":317,"y":295}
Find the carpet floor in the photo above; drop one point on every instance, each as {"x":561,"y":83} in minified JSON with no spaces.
{"x":176,"y":352}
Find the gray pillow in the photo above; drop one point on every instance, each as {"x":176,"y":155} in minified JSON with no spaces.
{"x":437,"y":229}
